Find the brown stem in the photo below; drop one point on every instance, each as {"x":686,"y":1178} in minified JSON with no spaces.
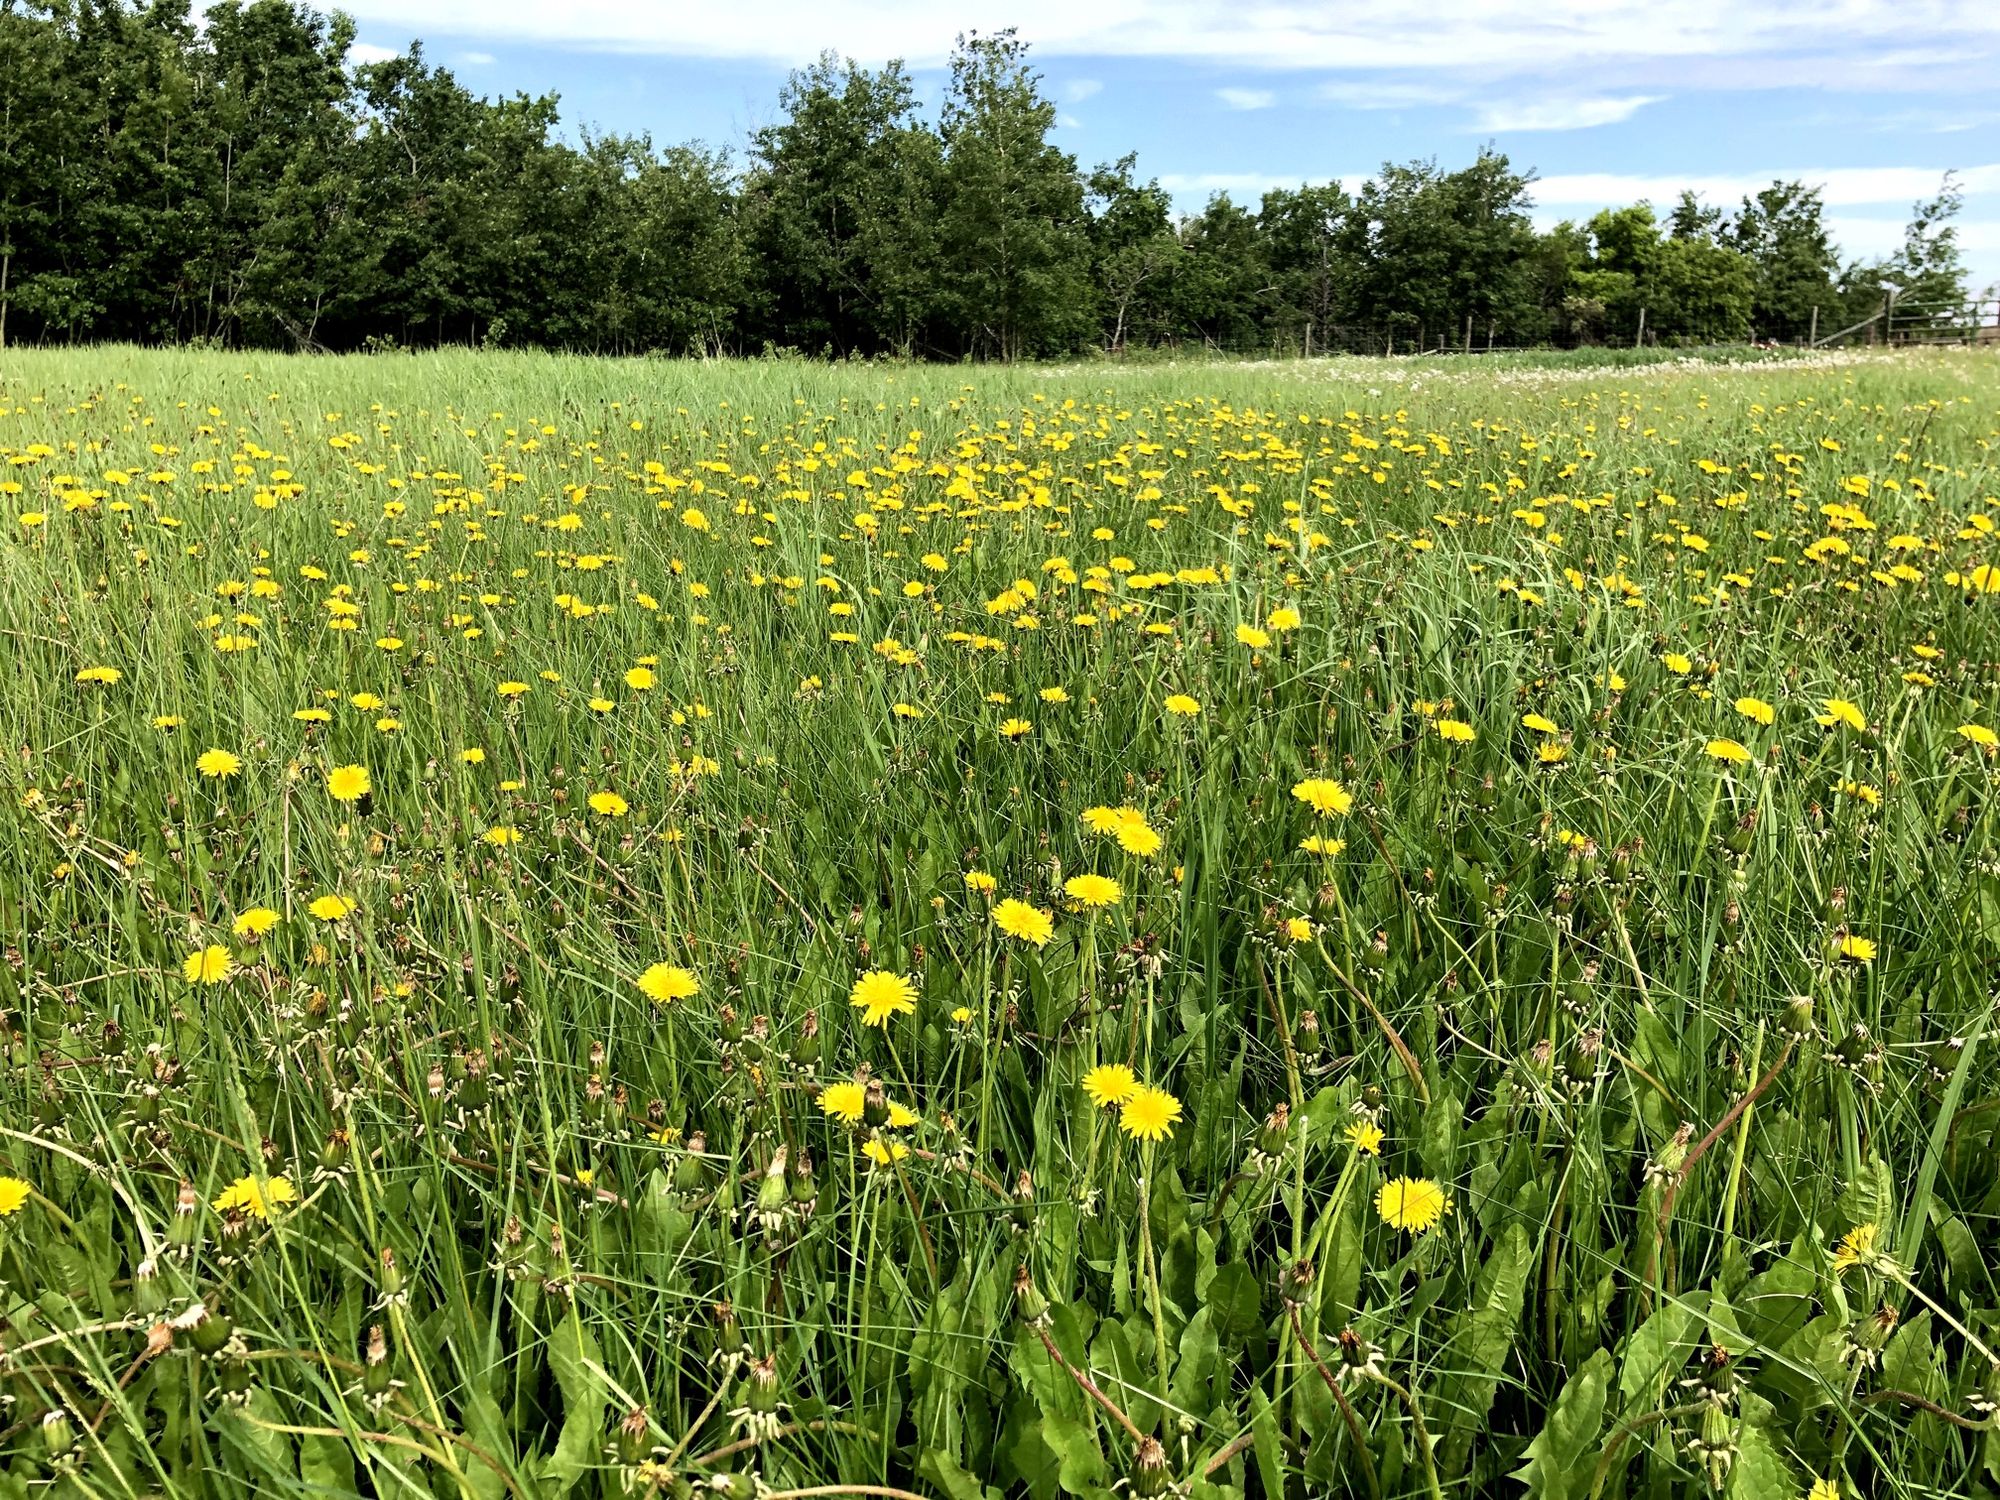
{"x":1340,"y":1399}
{"x":1090,"y":1387}
{"x":1922,"y":1403}
{"x":1701,"y":1147}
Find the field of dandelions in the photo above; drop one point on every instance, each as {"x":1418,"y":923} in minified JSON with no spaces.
{"x":637,"y":928}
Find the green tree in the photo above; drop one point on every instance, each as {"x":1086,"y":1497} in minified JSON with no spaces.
{"x":1134,"y":253}
{"x":1783,"y":232}
{"x":1015,"y":247}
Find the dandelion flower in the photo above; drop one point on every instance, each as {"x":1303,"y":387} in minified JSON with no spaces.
{"x":1824,"y":1489}
{"x":1029,"y":923}
{"x":248,"y":1195}
{"x":331,"y":908}
{"x":608,"y":804}
{"x":667,"y":983}
{"x":639,"y":679}
{"x":1314,"y":844}
{"x":1840,"y":711}
{"x":843,"y":1102}
{"x":979,"y":880}
{"x":1296,"y":929}
{"x":1364,"y":1136}
{"x":1857,"y":1248}
{"x":13,"y":1193}
{"x":1414,"y":1204}
{"x":1539,"y":724}
{"x":1757,"y":711}
{"x":1110,"y":1084}
{"x":347,"y":783}
{"x":1286,"y":618}
{"x":218,"y":763}
{"x":255,"y":922}
{"x":1139,"y":838}
{"x":1728,"y":751}
{"x":1854,"y":950}
{"x":1251,"y":636}
{"x":211,"y":965}
{"x":1182,"y":706}
{"x":105,"y":675}
{"x":1092,"y":890}
{"x":881,"y":994}
{"x":1149,"y":1115}
{"x":1980,"y":735}
{"x":1456,"y":732}
{"x":1325,"y":797}
{"x":884,"y":1154}
{"x":501,"y":835}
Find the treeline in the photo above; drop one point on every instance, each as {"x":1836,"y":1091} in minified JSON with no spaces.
{"x":236,"y":182}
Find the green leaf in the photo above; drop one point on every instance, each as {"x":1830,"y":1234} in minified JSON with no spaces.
{"x":573,"y":1357}
{"x":1761,"y":1470}
{"x":1079,"y":1464}
{"x":1481,"y":1336}
{"x":1266,"y":1444}
{"x":1555,"y":1469}
{"x":1234,"y":1303}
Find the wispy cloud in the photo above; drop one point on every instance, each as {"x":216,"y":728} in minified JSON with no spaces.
{"x":475,"y":59}
{"x":1247,"y":98}
{"x":1560,"y":114}
{"x":1862,"y":40}
{"x":1839,"y":186}
{"x":367,"y":52}
{"x":1079,"y":89}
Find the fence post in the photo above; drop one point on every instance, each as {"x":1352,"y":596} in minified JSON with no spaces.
{"x":1468,"y":333}
{"x":1640,"y":337}
{"x":1812,"y":339}
{"x":1489,"y":335}
{"x":1309,"y":338}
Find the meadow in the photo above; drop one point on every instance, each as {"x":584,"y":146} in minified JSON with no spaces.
{"x":622,"y":928}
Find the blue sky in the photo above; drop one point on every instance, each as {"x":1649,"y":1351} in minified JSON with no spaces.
{"x":1609,"y":100}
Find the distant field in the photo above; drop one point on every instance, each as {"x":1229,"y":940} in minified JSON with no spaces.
{"x":1414,"y":927}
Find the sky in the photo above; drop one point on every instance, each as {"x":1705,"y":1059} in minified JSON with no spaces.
{"x":1610,"y":101}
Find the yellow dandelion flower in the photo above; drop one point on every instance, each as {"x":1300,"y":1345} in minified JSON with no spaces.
{"x":1093,"y":890}
{"x":1149,"y":1115}
{"x":331,"y":908}
{"x":1728,"y":751}
{"x":1325,"y":797}
{"x":1110,"y":1084}
{"x":667,"y":983}
{"x":881,"y":994}
{"x":843,"y":1102}
{"x":211,"y":965}
{"x":256,"y":1198}
{"x":608,"y":805}
{"x":1414,"y":1204}
{"x":1028,"y":923}
{"x":347,"y":783}
{"x":1364,"y":1136}
{"x":255,"y":922}
{"x":218,"y":764}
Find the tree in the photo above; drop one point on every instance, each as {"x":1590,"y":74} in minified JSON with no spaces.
{"x":1783,"y":232}
{"x":1015,"y":247}
{"x":1133,"y":252}
{"x":1219,"y":281}
{"x":1928,"y":270}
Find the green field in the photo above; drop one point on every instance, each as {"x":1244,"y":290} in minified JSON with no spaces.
{"x":1383,"y":928}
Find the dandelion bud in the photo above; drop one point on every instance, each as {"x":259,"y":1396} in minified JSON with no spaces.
{"x":1797,"y":1018}
{"x":1032,"y":1306}
{"x":392,"y":1274}
{"x":210,"y":1330}
{"x":689,"y":1171}
{"x":763,"y":1393}
{"x":1375,"y":957}
{"x":875,"y":1104}
{"x":634,"y":1436}
{"x":1024,"y":1201}
{"x":807,"y":1047}
{"x":334,"y":1150}
{"x":1305,"y":1036}
{"x":805,"y":1189}
{"x":1486,"y":797}
{"x":1277,"y":1131}
{"x":730,"y":1025}
{"x":1149,"y":1469}
{"x":1294,"y":1282}
{"x":1354,"y":1349}
{"x":772,"y":1195}
{"x":736,"y":1487}
{"x":1371,"y":1097}
{"x":728,"y":1332}
{"x":148,"y":1296}
{"x":375,"y":1363}
{"x":58,"y":1433}
{"x":1835,"y":905}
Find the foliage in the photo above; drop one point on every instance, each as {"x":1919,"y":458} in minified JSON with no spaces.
{"x":600,"y":927}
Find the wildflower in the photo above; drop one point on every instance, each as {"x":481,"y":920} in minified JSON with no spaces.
{"x":255,"y":922}
{"x":1455,"y":732}
{"x":168,"y":721}
{"x":1980,"y":735}
{"x":884,"y":1154}
{"x":1251,"y":636}
{"x":1857,"y":1248}
{"x":1138,"y":838}
{"x":13,"y":1193}
{"x":1285,"y":618}
{"x":1414,"y":1204}
{"x":474,"y":756}
{"x":256,"y":1198}
{"x":1182,"y":706}
{"x":880,"y":995}
{"x":1854,"y":950}
{"x":1539,"y":724}
{"x":347,"y":783}
{"x":1296,"y":929}
{"x":1757,"y":711}
{"x":1840,"y":711}
{"x":961,"y":1015}
{"x":1029,"y":923}
{"x":211,"y":965}
{"x":979,"y":880}
{"x":1315,"y":844}
{"x":608,"y":804}
{"x":639,"y":679}
{"x":1110,"y":1084}
{"x":1728,"y":751}
{"x":1149,"y":1115}
{"x":105,"y":675}
{"x":1056,"y":694}
{"x":1824,"y":1489}
{"x":1327,"y":798}
{"x":1015,"y":729}
{"x":331,"y":908}
{"x":218,"y":764}
{"x":1092,"y":890}
{"x":1364,"y":1136}
{"x":511,"y":690}
{"x":501,"y":835}
{"x":667,"y":983}
{"x":843,"y":1102}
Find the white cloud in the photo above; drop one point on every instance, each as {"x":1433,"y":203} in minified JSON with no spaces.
{"x":1068,"y":122}
{"x":1196,"y":186}
{"x":367,"y":52}
{"x":1561,"y":114}
{"x":1079,"y":89}
{"x":1379,"y":94}
{"x":1247,"y":98}
{"x":475,"y":59}
{"x":1839,"y":186}
{"x":1848,"y":45}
